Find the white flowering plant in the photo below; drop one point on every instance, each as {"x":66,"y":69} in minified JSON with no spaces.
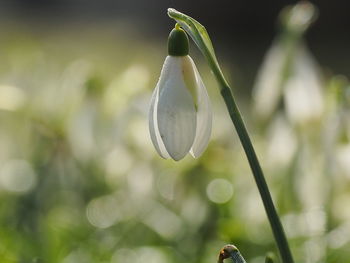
{"x":180,"y":115}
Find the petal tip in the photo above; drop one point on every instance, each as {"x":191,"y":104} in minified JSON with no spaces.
{"x":195,"y":156}
{"x":177,"y":157}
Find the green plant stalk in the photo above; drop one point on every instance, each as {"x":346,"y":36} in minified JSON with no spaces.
{"x":242,"y":132}
{"x":202,"y":40}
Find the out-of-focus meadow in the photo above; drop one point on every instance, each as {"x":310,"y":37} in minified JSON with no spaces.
{"x":81,"y":182}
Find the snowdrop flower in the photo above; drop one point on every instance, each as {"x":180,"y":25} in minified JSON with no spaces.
{"x":180,"y":116}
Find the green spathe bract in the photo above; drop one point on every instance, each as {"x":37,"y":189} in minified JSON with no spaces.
{"x":200,"y":36}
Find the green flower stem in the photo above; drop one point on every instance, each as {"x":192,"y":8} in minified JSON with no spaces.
{"x":200,"y":36}
{"x":256,"y":169}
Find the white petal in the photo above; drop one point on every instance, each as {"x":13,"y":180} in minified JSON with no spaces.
{"x":176,"y":111}
{"x":153,"y":125}
{"x":204,"y":116}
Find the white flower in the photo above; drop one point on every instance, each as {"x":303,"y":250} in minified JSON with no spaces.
{"x":180,"y":116}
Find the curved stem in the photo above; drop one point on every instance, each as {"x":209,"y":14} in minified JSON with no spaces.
{"x":242,"y":132}
{"x":200,"y":36}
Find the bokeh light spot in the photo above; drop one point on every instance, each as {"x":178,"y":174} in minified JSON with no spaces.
{"x":103,"y":212}
{"x":17,"y":176}
{"x":220,"y":191}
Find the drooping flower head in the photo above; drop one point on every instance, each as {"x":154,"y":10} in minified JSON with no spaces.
{"x":180,"y":116}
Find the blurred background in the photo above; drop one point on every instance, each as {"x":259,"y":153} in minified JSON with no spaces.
{"x":79,"y":178}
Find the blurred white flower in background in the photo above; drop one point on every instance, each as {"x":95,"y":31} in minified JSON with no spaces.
{"x":289,"y":75}
{"x":267,"y":90}
{"x":299,"y":85}
{"x":303,"y":94}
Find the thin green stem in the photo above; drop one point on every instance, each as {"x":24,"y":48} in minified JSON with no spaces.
{"x":242,"y":132}
{"x":202,"y":40}
{"x":243,"y":135}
